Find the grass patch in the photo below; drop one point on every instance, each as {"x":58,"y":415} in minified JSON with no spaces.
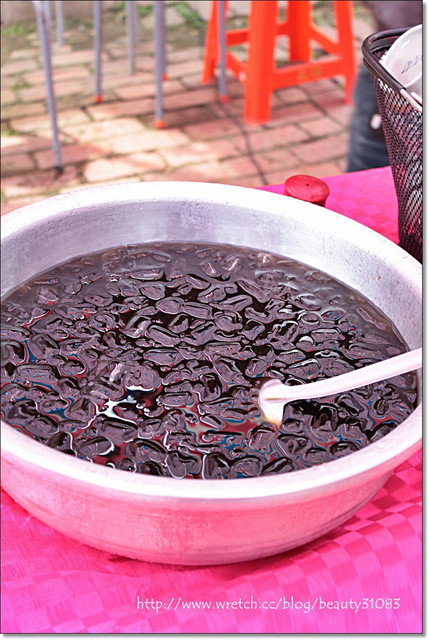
{"x":20,"y":84}
{"x":145,"y":11}
{"x":142,"y":11}
{"x":18,"y":29}
{"x":190,"y":16}
{"x":8,"y":132}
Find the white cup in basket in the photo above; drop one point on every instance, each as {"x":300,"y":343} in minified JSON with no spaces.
{"x":404,"y":60}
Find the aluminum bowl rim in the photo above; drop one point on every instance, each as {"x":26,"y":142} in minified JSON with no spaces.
{"x":379,"y":457}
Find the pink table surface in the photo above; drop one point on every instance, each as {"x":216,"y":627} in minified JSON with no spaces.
{"x":363,"y":577}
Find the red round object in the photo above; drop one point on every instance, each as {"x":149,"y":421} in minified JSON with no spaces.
{"x":307,"y":188}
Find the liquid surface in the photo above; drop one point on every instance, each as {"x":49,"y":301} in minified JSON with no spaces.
{"x":149,"y":358}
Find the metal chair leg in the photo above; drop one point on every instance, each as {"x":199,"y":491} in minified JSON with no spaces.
{"x":47,"y":10}
{"x":222,"y":51}
{"x":97,"y":8}
{"x":159,"y":36}
{"x":136,"y":22}
{"x":59,"y":22}
{"x":130,"y":35}
{"x":162,"y":36}
{"x":42,"y":17}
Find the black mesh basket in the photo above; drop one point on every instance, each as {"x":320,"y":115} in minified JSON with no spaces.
{"x":402,"y":120}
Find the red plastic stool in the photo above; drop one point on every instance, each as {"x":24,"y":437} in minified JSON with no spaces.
{"x":259,"y":73}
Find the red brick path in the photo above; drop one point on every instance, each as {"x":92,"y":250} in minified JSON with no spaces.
{"x":116,"y":141}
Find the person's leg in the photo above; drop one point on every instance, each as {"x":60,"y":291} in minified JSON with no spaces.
{"x":367,"y":148}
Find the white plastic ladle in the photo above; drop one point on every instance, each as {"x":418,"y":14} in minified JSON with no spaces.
{"x":274,"y":394}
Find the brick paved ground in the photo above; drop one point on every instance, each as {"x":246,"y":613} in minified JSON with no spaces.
{"x":116,"y":141}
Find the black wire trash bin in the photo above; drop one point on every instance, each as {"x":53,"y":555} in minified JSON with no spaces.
{"x":402,"y":119}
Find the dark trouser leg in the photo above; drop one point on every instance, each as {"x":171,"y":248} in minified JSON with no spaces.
{"x":367,"y":148}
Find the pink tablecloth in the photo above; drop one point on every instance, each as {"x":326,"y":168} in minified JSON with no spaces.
{"x":363,"y":577}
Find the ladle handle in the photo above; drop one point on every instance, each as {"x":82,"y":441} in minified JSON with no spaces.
{"x":275,"y":392}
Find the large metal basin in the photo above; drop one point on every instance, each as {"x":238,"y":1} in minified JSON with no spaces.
{"x":205,"y":521}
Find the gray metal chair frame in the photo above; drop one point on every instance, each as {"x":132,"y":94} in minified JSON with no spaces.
{"x":222,"y":50}
{"x":43,"y":16}
{"x":42,"y":9}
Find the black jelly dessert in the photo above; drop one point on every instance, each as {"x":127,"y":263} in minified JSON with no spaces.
{"x":149,"y":358}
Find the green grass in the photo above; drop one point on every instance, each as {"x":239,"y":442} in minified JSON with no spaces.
{"x":18,"y":29}
{"x":190,"y":16}
{"x":20,"y":84}
{"x":143,"y":11}
{"x":7,"y":131}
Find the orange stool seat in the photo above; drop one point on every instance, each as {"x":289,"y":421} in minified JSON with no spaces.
{"x":259,"y":73}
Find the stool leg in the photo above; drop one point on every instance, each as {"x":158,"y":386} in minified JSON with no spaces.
{"x":344,"y":19}
{"x":299,"y":17}
{"x":159,"y":34}
{"x":97,"y":50}
{"x":43,"y":28}
{"x":260,"y":61}
{"x":59,"y":22}
{"x":222,"y":51}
